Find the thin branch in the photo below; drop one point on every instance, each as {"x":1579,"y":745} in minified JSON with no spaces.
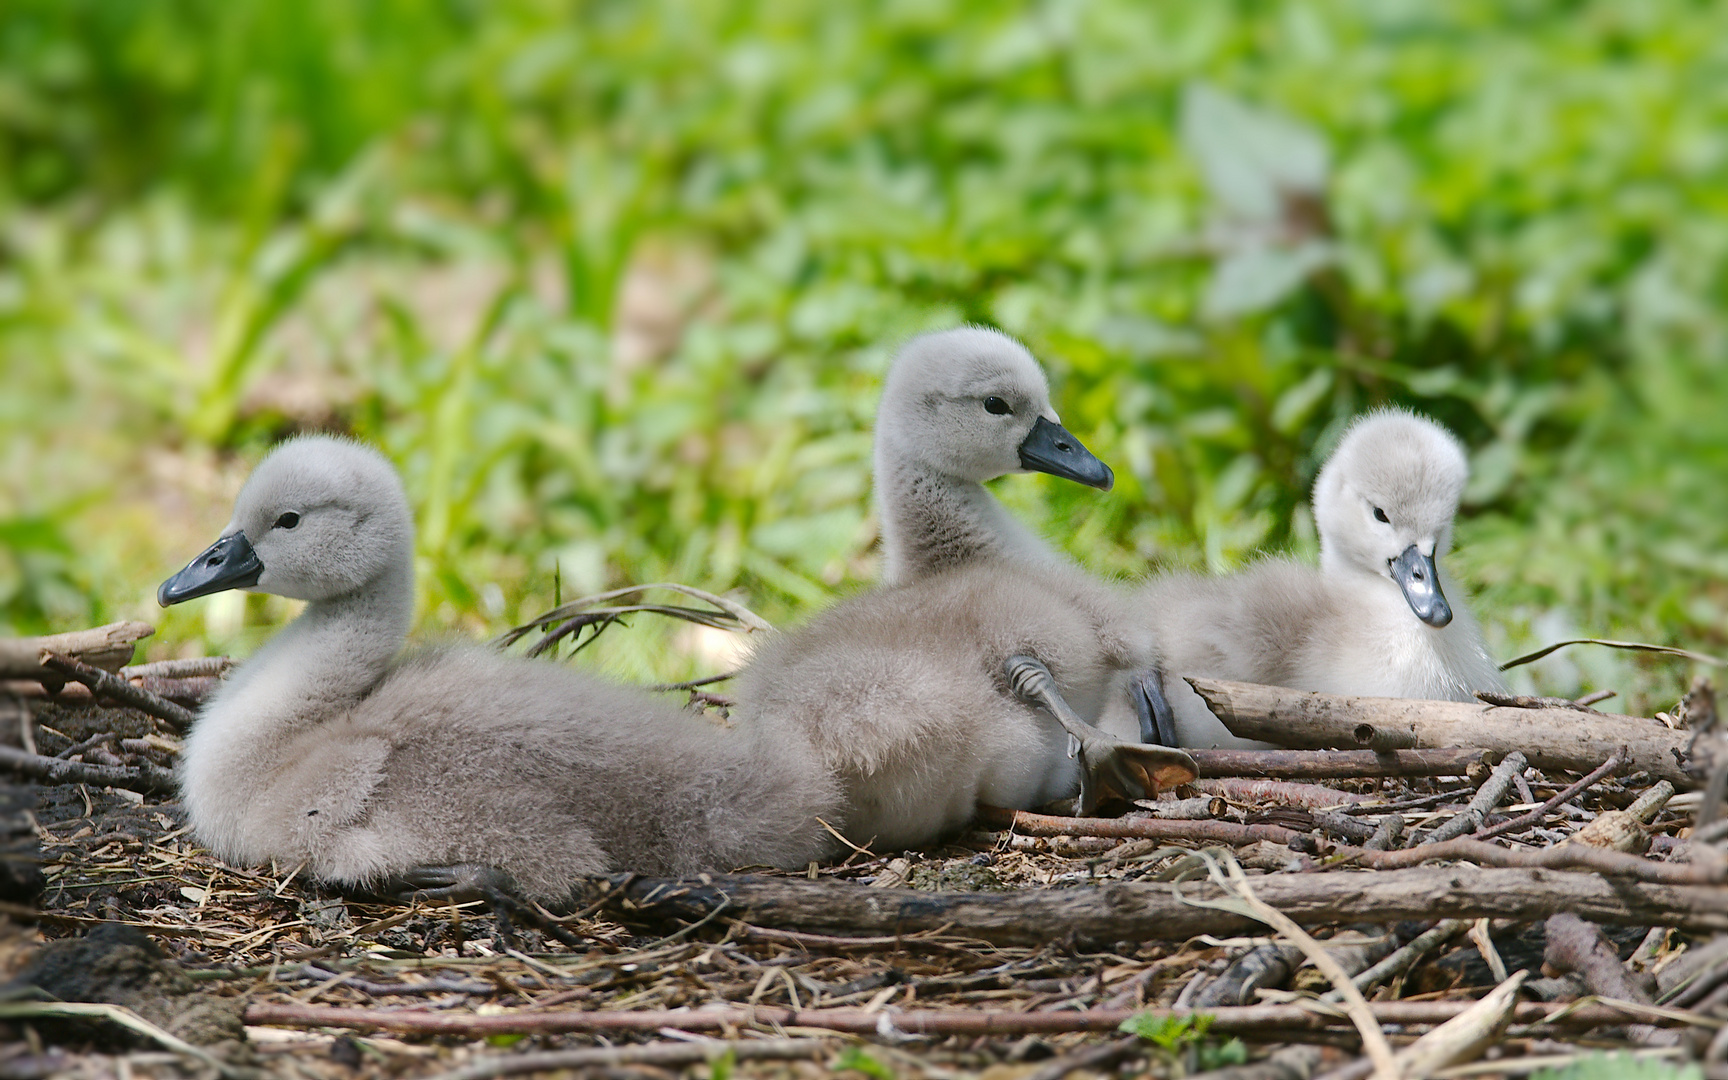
{"x":147,"y":779}
{"x":1228,"y":874}
{"x":1571,"y":791}
{"x":104,"y":684}
{"x":664,"y":1055}
{"x":1635,"y":646}
{"x":1245,"y":1018}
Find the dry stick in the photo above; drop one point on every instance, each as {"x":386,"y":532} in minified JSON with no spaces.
{"x":1578,"y":946}
{"x":1408,"y":956}
{"x":1287,"y":1063}
{"x":1268,"y":964}
{"x":106,"y":647}
{"x":1465,"y":1036}
{"x":1333,"y":764}
{"x":1312,"y":796}
{"x":1559,"y":857}
{"x":103,"y":684}
{"x":1218,"y":832}
{"x":191,"y":667}
{"x":1550,"y":738}
{"x":147,"y":779}
{"x":1570,"y":856}
{"x":1093,"y":1057}
{"x":1566,"y":794}
{"x":666,"y":1055}
{"x":1230,"y":876}
{"x":1247,"y":1019}
{"x":1147,"y":911}
{"x":1487,"y":797}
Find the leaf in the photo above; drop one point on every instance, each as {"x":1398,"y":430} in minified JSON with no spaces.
{"x":1168,"y":1032}
{"x":1257,"y":277}
{"x":857,"y":1059}
{"x":1621,"y":1066}
{"x":1252,"y":159}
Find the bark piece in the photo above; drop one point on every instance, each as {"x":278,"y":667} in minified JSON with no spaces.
{"x":1333,"y":764}
{"x":106,"y":647}
{"x":1137,"y":911}
{"x":1550,"y":738}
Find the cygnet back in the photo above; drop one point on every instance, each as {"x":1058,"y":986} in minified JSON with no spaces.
{"x":325,"y":749}
{"x":902,"y":693}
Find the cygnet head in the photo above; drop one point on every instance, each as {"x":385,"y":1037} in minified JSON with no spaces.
{"x":319,"y":518}
{"x":1385,"y":500}
{"x":972,"y":404}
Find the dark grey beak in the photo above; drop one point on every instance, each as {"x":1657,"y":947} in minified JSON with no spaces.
{"x":1049,"y":448}
{"x":229,"y":563}
{"x":1415,"y":574}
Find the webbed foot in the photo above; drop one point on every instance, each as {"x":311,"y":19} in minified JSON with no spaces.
{"x":1108,"y":765}
{"x":1157,"y":719}
{"x":458,"y":884}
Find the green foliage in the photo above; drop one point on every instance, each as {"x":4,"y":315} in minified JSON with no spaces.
{"x":724,"y":1066}
{"x":1621,"y":1067}
{"x":1171,"y":1034}
{"x":857,"y":1059}
{"x":1175,"y":1036}
{"x":616,"y":283}
{"x":1222,"y":1055}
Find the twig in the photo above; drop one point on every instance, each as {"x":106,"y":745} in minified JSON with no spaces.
{"x":104,"y":684}
{"x":1093,"y":1057}
{"x":1529,"y":701}
{"x":1228,"y":873}
{"x":119,"y":1014}
{"x":742,"y":615}
{"x":1635,"y":646}
{"x":147,"y":779}
{"x":665,"y":1055}
{"x":1246,"y":1018}
{"x":1312,"y":796}
{"x":1465,"y":1036}
{"x":1578,"y":946}
{"x":1409,"y":955}
{"x":1486,"y":799}
{"x":106,"y":647}
{"x":1559,"y":857}
{"x":191,"y":667}
{"x":1217,"y":832}
{"x":1333,"y":764}
{"x":1549,"y":738}
{"x":1567,"y":857}
{"x":1571,"y":791}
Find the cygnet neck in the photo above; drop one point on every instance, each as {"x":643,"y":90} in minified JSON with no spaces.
{"x":333,"y":654}
{"x":932,"y":521}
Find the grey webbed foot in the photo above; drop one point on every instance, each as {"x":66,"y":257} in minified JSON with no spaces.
{"x":1157,"y":719}
{"x":457,"y":884}
{"x":1108,"y":766}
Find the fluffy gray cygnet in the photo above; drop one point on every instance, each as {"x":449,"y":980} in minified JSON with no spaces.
{"x":327,"y":749}
{"x":961,"y":407}
{"x":1380,"y":617}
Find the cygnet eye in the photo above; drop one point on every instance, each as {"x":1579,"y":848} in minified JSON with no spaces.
{"x":288,"y":520}
{"x":1380,"y":515}
{"x":996,"y":406}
